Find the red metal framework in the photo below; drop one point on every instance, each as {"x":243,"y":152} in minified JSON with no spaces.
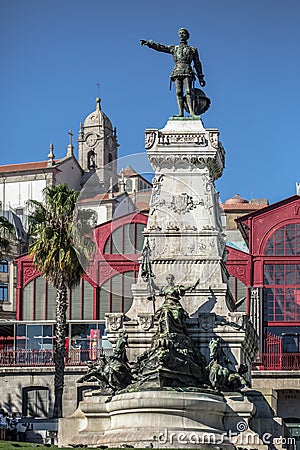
{"x":274,"y":358}
{"x":273,"y":266}
{"x":269,"y":361}
{"x":105,"y":265}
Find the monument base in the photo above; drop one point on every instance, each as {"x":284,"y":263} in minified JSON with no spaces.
{"x":152,"y":419}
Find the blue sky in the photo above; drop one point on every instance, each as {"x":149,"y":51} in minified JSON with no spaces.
{"x":54,"y":53}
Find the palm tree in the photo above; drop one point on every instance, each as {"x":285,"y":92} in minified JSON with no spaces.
{"x":58,"y":258}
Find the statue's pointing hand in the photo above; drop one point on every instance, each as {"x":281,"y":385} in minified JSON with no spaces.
{"x":143,"y":42}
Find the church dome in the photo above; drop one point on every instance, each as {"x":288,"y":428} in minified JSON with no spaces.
{"x":235,"y":199}
{"x":98,"y":118}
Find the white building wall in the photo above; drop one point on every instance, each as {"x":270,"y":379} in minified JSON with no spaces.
{"x":16,"y":194}
{"x":70,"y":173}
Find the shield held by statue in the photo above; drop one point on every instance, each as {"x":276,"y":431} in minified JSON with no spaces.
{"x":200,"y":101}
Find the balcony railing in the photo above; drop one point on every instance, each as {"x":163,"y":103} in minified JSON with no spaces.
{"x":277,"y":361}
{"x":33,"y":358}
{"x":79,"y":357}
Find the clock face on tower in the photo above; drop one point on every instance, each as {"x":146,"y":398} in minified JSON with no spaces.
{"x":91,"y":140}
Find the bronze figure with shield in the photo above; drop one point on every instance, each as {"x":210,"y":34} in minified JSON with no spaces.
{"x":183,"y":75}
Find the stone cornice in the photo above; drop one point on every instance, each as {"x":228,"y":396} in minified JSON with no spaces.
{"x":188,"y":149}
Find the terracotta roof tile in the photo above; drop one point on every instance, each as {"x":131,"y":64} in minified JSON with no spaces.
{"x":128,"y":172}
{"x":242,"y":206}
{"x":21,"y":167}
{"x":98,"y":198}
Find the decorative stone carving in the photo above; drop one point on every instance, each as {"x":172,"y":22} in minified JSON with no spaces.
{"x":207,"y":321}
{"x":202,"y":247}
{"x":154,"y":228}
{"x":255,"y":308}
{"x":200,"y":140}
{"x":214,"y":139}
{"x":190,"y":227}
{"x":145,"y":321}
{"x":156,"y":182}
{"x":186,"y":138}
{"x":163,"y":138}
{"x":183,"y":203}
{"x":190,"y":249}
{"x":150,"y":136}
{"x":106,"y":271}
{"x":152,"y":243}
{"x":171,"y":226}
{"x":114,"y":321}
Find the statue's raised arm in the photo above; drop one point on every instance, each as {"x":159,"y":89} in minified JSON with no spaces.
{"x":156,"y":46}
{"x":183,"y":74}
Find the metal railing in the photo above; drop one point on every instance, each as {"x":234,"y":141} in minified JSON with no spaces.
{"x":277,"y":361}
{"x":32,"y":358}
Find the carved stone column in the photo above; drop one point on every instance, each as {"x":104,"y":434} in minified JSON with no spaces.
{"x":184,"y":227}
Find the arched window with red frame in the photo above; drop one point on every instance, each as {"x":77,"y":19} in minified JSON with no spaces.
{"x":281,"y":275}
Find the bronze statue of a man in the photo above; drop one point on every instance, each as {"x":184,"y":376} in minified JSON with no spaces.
{"x":183,"y":74}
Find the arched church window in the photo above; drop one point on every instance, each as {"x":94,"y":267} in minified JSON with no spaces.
{"x":129,"y":185}
{"x":110,"y":158}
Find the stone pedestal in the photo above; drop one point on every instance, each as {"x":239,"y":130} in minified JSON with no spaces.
{"x":150,"y":418}
{"x":187,"y":239}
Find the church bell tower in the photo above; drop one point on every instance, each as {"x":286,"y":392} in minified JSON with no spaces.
{"x":98,"y":147}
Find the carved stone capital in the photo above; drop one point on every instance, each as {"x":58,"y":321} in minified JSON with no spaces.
{"x":211,"y":158}
{"x":114,"y":321}
{"x":145,"y":321}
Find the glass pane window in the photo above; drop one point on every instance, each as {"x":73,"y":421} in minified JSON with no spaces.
{"x":117,"y":241}
{"x":39,"y":301}
{"x":34,"y":337}
{"x":282,"y":294}
{"x":127,"y":239}
{"x":139,"y":237}
{"x":238,"y":291}
{"x":284,"y":242}
{"x":3,"y":266}
{"x":39,"y":298}
{"x":128,"y":185}
{"x":3,"y":292}
{"x":85,"y":341}
{"x":115,"y":294}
